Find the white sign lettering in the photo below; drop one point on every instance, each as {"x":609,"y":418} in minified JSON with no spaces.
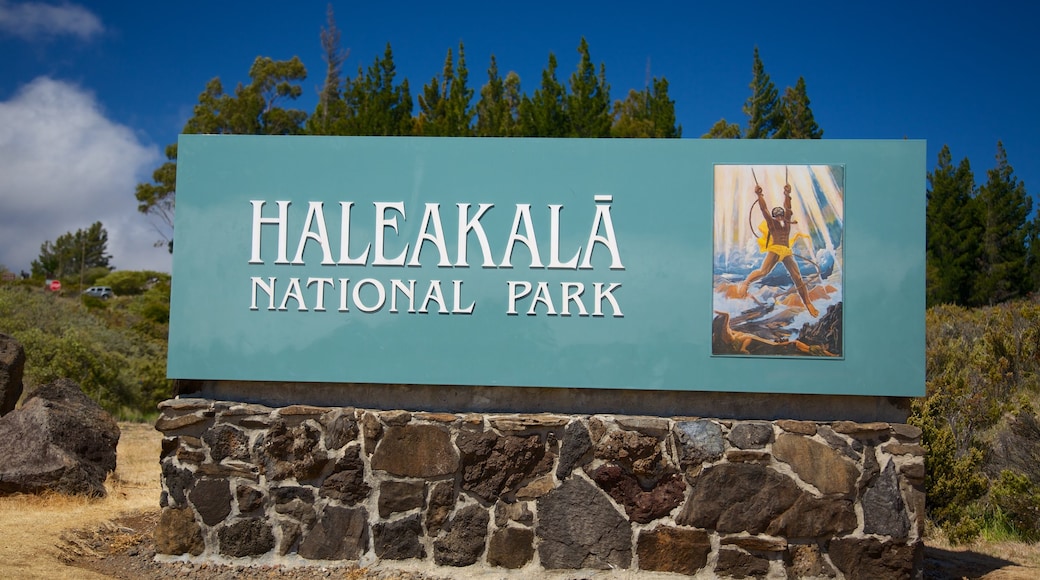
{"x":370,"y":295}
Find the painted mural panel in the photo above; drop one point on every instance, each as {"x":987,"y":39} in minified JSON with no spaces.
{"x":778,"y":265}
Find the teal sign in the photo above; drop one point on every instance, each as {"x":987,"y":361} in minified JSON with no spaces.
{"x":702,"y":265}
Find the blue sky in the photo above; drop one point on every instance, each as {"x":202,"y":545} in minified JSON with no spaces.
{"x":91,"y":92}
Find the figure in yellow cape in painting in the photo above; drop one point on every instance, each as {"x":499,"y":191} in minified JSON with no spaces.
{"x":776,"y":243}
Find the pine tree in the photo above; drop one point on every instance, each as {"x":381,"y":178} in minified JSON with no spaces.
{"x":631,"y":116}
{"x":646,"y":114}
{"x":432,"y":101}
{"x":496,"y":114}
{"x":375,"y":105}
{"x":588,"y":105}
{"x":1005,"y":209}
{"x":514,"y":98}
{"x":662,"y":111}
{"x":723,"y":129}
{"x":953,"y":232}
{"x":73,"y":254}
{"x":796,"y":117}
{"x":458,"y":110}
{"x":328,"y":115}
{"x":761,"y":108}
{"x":544,"y":113}
{"x":445,"y":103}
{"x":1033,"y":256}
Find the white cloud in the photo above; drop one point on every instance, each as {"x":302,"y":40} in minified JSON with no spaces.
{"x":64,"y":166}
{"x":33,"y":20}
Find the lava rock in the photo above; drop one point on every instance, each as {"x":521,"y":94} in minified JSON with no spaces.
{"x":12,"y":363}
{"x":59,"y":440}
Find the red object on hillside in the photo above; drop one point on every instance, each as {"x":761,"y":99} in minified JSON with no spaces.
{"x":55,"y":286}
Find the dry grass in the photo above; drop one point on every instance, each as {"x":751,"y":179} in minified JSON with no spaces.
{"x":31,"y":545}
{"x":1023,"y":554}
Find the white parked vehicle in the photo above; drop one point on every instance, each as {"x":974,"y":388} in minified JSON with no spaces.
{"x":103,"y":292}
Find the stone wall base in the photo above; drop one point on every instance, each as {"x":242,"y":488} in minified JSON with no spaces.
{"x":541,"y":493}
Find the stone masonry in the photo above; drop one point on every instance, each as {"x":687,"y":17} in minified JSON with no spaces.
{"x":530,"y":492}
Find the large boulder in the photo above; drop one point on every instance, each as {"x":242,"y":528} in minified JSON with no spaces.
{"x":12,"y":362}
{"x":58,"y":440}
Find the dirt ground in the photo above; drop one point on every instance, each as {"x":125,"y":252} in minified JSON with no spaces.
{"x":53,"y":536}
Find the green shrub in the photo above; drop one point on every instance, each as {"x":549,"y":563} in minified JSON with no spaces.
{"x":155,"y":305}
{"x":131,"y":282}
{"x":116,"y":355}
{"x":91,"y":276}
{"x":93,"y":302}
{"x":982,"y":377}
{"x":953,"y":480}
{"x":1016,"y":500}
{"x":75,"y":355}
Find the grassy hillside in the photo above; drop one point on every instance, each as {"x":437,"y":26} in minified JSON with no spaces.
{"x":115,"y":349}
